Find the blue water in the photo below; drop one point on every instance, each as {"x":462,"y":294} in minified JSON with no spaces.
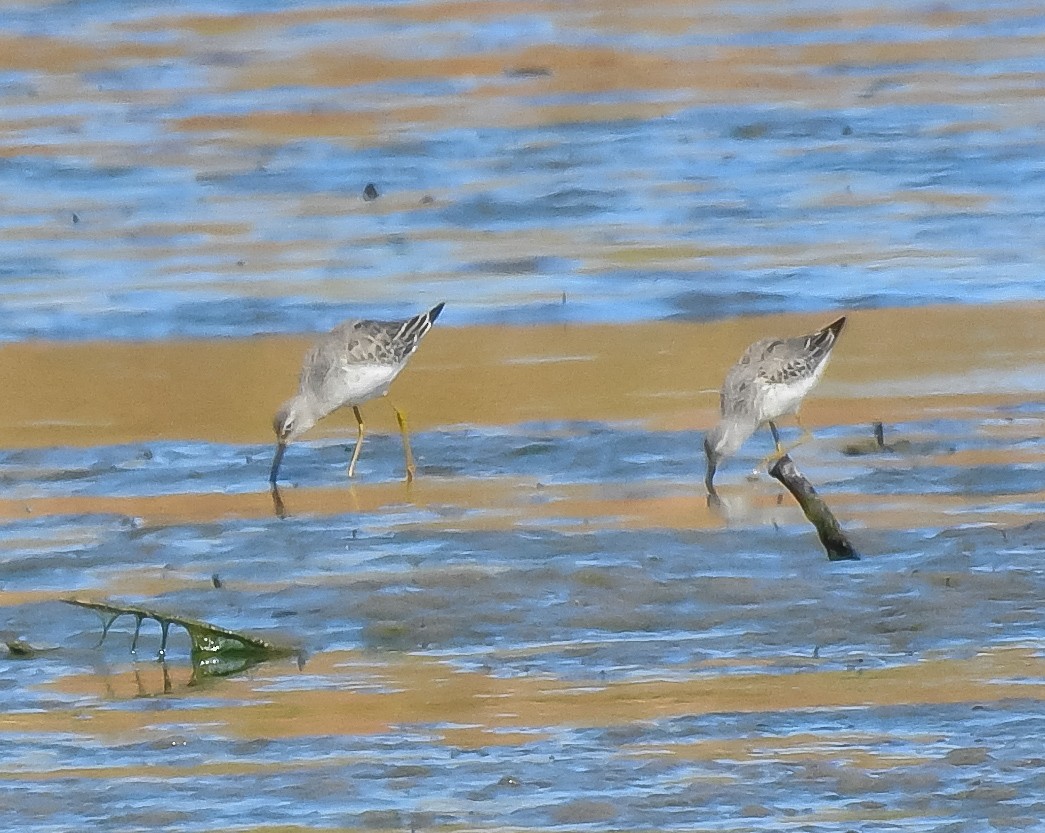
{"x":121,"y":224}
{"x":736,"y":159}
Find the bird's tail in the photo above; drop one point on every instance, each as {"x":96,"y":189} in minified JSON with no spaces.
{"x":414,"y":330}
{"x":820,"y":343}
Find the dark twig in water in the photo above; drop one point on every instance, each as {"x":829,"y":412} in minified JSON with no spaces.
{"x":876,"y":444}
{"x":834,"y":540}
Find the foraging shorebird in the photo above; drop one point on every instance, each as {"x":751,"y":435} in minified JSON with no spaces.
{"x":354,"y":363}
{"x":770,"y":381}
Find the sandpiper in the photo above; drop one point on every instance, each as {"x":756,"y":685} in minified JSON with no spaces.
{"x":354,"y":363}
{"x":771,"y":379}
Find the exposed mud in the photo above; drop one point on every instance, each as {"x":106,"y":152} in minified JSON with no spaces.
{"x":895,"y":365}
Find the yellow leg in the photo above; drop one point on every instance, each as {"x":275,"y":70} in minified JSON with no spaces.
{"x":411,"y":469}
{"x":777,"y":452}
{"x":359,"y":441}
{"x":782,"y":450}
{"x":805,"y":436}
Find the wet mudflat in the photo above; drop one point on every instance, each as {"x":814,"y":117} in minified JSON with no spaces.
{"x":550,"y":628}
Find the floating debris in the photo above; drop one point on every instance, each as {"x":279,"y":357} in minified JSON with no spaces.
{"x":216,"y":651}
{"x":528,"y":72}
{"x":755,"y":130}
{"x":877,"y":444}
{"x":20,"y":649}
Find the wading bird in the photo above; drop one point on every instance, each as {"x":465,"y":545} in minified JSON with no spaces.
{"x":352,"y":364}
{"x":771,"y":379}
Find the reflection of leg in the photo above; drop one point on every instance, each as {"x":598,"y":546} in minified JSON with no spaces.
{"x":359,"y":441}
{"x":411,"y":469}
{"x":277,"y":503}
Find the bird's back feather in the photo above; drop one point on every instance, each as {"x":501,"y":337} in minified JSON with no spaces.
{"x":794,"y":362}
{"x":357,"y":360}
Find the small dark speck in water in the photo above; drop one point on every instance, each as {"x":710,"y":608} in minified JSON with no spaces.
{"x":370,"y":192}
{"x":215,"y":579}
{"x":76,"y":218}
{"x":756,"y":130}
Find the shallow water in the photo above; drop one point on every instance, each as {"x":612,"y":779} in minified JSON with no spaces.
{"x":187,"y":172}
{"x":550,"y":628}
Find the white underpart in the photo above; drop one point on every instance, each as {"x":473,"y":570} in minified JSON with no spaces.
{"x":780,"y":400}
{"x":360,"y":383}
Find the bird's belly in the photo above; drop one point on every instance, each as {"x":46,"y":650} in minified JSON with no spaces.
{"x":361,"y":383}
{"x":780,"y":400}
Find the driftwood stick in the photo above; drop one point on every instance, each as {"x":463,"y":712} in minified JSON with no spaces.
{"x":831,"y":536}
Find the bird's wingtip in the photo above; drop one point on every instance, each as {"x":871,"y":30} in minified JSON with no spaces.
{"x":433,"y":313}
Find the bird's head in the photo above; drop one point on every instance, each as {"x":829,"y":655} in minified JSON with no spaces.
{"x":724,"y":440}
{"x":293,"y":419}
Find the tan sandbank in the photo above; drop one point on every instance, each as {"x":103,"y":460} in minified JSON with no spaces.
{"x":892,"y":364}
{"x":427,"y":690}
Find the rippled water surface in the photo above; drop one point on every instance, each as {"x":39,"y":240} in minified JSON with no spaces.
{"x":550,"y":628}
{"x":186,"y":171}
